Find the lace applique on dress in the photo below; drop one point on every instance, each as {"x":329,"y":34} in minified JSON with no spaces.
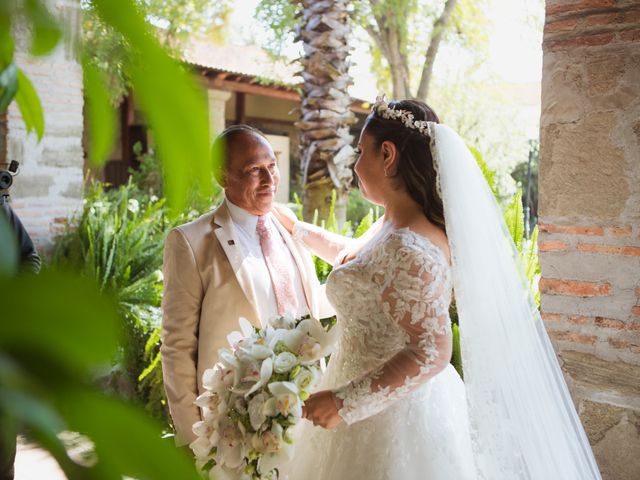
{"x":407,"y":291}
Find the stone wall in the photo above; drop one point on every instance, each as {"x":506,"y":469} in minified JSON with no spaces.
{"x":590,"y":217}
{"x":49,"y":186}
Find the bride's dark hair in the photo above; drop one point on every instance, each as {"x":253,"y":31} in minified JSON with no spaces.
{"x":416,"y":172}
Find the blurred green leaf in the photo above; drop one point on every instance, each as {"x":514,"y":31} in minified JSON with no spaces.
{"x":29,"y":105}
{"x":45,"y":28}
{"x":174,"y":106}
{"x":6,"y":39}
{"x":126,"y":440}
{"x":101,"y":116}
{"x":8,"y":248}
{"x":58,"y":315}
{"x":30,"y":411}
{"x":42,"y":424}
{"x":8,"y":85}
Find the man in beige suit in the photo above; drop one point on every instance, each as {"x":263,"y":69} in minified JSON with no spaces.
{"x":215,"y":272}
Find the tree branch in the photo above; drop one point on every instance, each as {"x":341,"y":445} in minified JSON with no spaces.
{"x":436,"y":37}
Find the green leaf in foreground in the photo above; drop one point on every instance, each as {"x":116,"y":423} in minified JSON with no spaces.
{"x":29,"y":105}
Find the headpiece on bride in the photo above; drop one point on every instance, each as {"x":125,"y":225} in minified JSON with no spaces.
{"x":382,"y":109}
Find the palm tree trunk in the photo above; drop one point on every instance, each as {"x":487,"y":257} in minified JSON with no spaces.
{"x":327,"y":154}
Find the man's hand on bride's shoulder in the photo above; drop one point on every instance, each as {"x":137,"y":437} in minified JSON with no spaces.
{"x":321,"y":409}
{"x":285,"y":216}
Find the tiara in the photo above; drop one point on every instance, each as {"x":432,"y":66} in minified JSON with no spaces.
{"x":381,"y":108}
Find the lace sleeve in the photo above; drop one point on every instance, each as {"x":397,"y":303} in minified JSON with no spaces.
{"x":321,"y":242}
{"x":415,"y":296}
{"x":327,"y":245}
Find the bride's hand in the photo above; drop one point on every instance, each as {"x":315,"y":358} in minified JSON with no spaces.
{"x":285,"y":216}
{"x":321,"y":409}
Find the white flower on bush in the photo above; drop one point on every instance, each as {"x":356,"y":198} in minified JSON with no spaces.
{"x":133,"y":206}
{"x":158,"y":276}
{"x":284,"y":362}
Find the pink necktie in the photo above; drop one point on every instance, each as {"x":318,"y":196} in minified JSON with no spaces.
{"x":281,"y":277}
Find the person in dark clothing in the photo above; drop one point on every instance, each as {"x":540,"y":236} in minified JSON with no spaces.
{"x":29,"y":262}
{"x":29,"y":258}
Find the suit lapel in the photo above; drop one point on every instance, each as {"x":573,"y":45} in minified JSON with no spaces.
{"x":228,"y":239}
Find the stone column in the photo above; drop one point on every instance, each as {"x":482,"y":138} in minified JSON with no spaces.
{"x":217,"y":104}
{"x":590,"y":217}
{"x":49,"y":186}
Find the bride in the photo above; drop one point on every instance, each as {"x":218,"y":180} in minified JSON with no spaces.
{"x":391,"y":406}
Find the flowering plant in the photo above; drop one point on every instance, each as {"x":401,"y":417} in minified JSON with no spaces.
{"x":254,"y":395}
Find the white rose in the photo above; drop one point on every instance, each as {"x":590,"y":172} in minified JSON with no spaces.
{"x":284,"y":362}
{"x":307,"y":379}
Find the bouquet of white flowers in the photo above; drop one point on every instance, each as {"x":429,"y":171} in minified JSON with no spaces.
{"x":254,"y":395}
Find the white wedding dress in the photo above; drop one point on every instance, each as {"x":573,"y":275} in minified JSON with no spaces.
{"x":407,"y":414}
{"x":404,"y":404}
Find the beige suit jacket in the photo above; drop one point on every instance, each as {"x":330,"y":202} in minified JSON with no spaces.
{"x":207,"y":288}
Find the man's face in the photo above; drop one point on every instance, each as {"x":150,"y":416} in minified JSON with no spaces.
{"x":251,"y":176}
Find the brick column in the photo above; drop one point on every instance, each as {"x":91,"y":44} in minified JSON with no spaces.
{"x":49,"y":187}
{"x":590,"y":217}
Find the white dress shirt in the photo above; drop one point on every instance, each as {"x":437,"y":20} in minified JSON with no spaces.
{"x":245,"y":224}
